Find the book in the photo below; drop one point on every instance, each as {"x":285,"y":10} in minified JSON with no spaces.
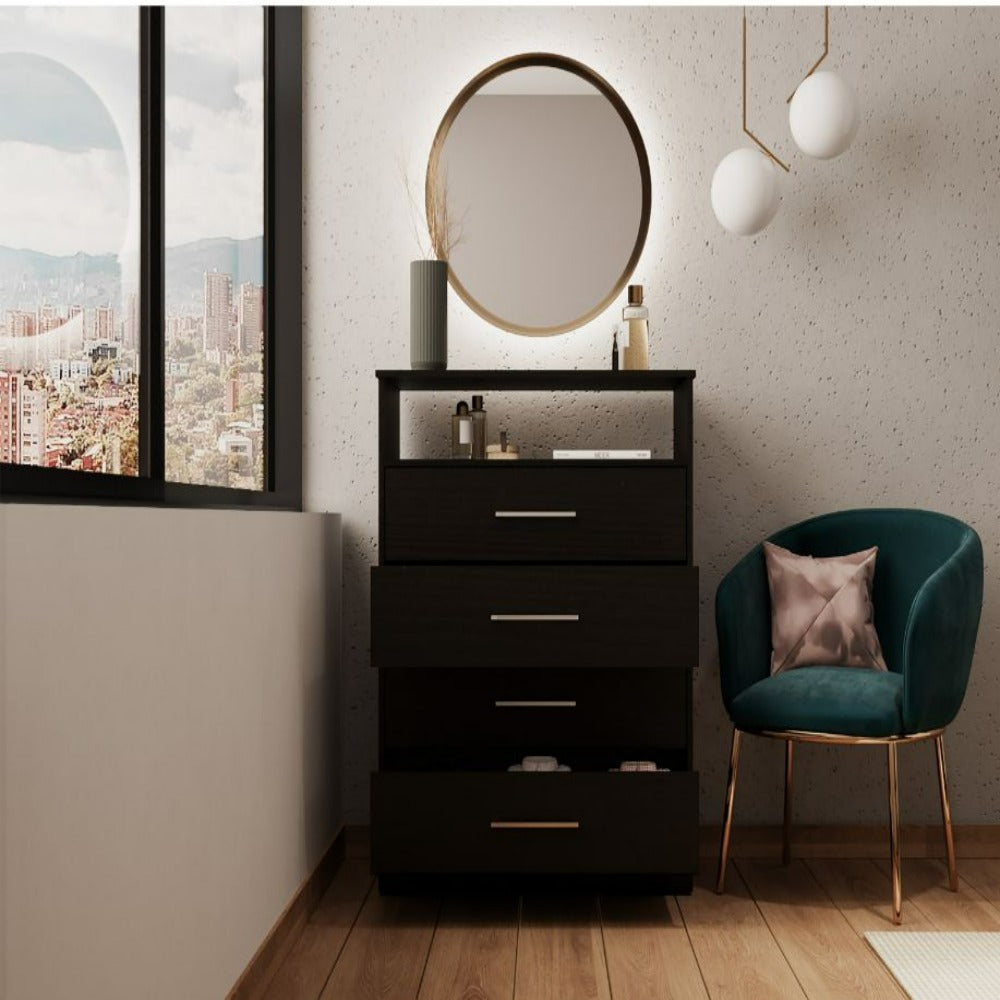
{"x":611,"y":453}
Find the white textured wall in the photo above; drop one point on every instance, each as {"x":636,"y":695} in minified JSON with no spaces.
{"x":170,"y":760}
{"x":847,"y":356}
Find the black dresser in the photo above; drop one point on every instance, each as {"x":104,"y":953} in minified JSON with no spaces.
{"x":535,"y":607}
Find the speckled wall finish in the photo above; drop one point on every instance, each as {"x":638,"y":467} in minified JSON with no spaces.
{"x":849,"y":355}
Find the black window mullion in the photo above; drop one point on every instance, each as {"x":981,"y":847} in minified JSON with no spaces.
{"x":151,"y":382}
{"x":283,"y":253}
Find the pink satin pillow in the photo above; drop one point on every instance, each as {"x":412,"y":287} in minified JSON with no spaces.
{"x":821,"y":610}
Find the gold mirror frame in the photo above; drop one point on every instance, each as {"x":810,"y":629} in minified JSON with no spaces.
{"x":602,"y":85}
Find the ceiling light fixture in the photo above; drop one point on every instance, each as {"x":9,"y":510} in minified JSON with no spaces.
{"x":823,"y":110}
{"x":745,"y":183}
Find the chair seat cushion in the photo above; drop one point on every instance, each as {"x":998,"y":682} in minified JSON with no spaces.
{"x":853,"y":701}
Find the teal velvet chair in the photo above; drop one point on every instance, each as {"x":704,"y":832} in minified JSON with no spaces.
{"x":927,"y":596}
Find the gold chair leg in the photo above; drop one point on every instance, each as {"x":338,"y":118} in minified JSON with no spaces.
{"x":897,"y":886}
{"x":949,"y":838}
{"x":727,"y":813}
{"x":786,"y":844}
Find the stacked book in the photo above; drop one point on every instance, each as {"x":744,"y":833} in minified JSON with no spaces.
{"x":602,"y":453}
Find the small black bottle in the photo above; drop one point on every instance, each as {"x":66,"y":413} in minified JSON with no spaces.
{"x":614,"y":351}
{"x":478,"y":415}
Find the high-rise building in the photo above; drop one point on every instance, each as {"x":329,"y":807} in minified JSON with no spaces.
{"x":251,"y":316}
{"x":130,"y":322}
{"x":217,"y":333}
{"x":10,"y":390}
{"x":48,"y":319}
{"x":21,"y":323}
{"x":104,"y":323}
{"x":32,"y":442}
{"x":22,"y":421}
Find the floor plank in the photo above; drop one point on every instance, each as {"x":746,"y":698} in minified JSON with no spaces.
{"x":648,"y":951}
{"x":925,"y":884}
{"x":560,"y":952}
{"x":474,"y":951}
{"x":385,"y":953}
{"x":983,"y":874}
{"x":828,"y":958}
{"x":304,"y":972}
{"x":863,"y":894}
{"x":738,"y":957}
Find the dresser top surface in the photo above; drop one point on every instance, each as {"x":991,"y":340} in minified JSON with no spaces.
{"x":593,"y":380}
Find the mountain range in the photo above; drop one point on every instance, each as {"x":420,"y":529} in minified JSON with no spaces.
{"x":29,"y":278}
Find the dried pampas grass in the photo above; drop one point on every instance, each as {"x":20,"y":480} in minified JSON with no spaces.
{"x":444,"y":230}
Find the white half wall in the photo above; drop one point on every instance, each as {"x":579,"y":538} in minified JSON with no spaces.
{"x":170,"y":756}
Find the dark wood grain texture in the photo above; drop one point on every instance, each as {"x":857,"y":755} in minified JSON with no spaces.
{"x":628,"y":616}
{"x":597,"y":514}
{"x":519,"y":712}
{"x":514,"y":380}
{"x":587,"y":569}
{"x":440,"y":822}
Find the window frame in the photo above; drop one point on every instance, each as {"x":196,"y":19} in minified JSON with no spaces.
{"x":282,"y":297}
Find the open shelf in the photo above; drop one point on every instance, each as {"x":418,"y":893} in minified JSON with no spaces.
{"x":581,"y":760}
{"x":552,"y":463}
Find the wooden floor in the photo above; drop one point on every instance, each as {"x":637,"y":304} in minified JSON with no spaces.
{"x":777,"y":933}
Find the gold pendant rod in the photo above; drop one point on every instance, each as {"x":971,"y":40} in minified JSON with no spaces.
{"x":763,"y":148}
{"x":826,"y":52}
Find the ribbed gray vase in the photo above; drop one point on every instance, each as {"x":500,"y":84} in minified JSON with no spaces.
{"x":429,"y":315}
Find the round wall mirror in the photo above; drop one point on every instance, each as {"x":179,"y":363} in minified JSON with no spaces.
{"x":538,"y":181}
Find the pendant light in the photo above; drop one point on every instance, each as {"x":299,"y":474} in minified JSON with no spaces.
{"x":745,"y":195}
{"x":823,"y":111}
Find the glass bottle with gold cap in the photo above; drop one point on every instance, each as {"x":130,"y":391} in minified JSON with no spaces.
{"x":636,"y":317}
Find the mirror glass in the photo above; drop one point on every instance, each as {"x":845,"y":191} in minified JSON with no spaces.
{"x":546,"y":183}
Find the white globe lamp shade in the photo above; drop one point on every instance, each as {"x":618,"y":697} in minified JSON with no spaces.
{"x":823,"y":115}
{"x":745,"y":191}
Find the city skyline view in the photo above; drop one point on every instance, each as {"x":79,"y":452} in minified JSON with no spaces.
{"x":69,"y":310}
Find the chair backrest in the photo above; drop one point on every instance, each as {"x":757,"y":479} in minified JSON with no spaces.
{"x":912,"y":544}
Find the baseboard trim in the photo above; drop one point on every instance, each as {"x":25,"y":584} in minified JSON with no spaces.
{"x":972,"y":840}
{"x":274,"y":948}
{"x":868,"y":841}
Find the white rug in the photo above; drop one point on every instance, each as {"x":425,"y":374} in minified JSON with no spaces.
{"x":941,"y":966}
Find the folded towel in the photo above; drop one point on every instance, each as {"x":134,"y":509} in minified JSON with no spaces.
{"x":539,"y":764}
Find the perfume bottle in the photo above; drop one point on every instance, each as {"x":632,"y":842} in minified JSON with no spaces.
{"x":461,"y":431}
{"x":478,"y":416}
{"x":636,"y":315}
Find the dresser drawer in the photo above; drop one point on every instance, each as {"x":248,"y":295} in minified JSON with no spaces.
{"x":501,"y":715}
{"x":534,"y":616}
{"x":580,"y":822}
{"x":524,"y":514}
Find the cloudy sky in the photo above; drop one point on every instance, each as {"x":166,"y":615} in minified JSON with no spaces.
{"x":69,"y":126}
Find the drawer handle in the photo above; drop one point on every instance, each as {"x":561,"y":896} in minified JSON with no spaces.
{"x":535,"y":825}
{"x":535,"y":704}
{"x":535,"y":513}
{"x":534,"y":618}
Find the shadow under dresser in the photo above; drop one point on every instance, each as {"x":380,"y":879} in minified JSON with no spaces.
{"x":535,"y":607}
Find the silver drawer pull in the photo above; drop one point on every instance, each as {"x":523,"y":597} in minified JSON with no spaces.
{"x":534,"y":618}
{"x":535,"y":513}
{"x":535,"y":825}
{"x":535,"y":704}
